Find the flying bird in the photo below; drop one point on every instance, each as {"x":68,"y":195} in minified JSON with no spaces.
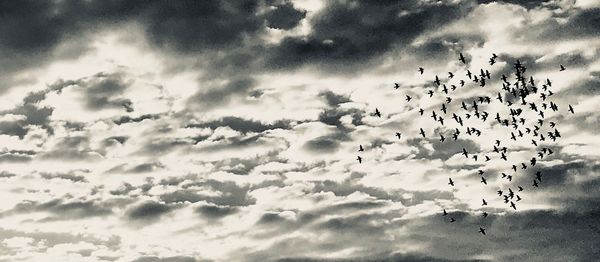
{"x":451,"y":182}
{"x":421,"y":70}
{"x":359,"y":159}
{"x":377,"y":113}
{"x":482,"y":231}
{"x":462,"y":58}
{"x":562,"y":68}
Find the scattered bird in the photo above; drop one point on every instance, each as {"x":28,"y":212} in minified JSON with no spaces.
{"x":398,"y":135}
{"x":482,"y":231}
{"x":377,"y":113}
{"x":359,"y":159}
{"x":562,"y":68}
{"x":421,"y":70}
{"x":360,"y":148}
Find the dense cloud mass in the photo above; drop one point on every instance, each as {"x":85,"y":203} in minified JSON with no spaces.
{"x":229,"y":131}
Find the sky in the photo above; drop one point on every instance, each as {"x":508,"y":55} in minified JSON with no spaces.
{"x":228,"y":130}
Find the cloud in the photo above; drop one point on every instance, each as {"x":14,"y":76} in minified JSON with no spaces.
{"x":284,"y":16}
{"x":148,"y":210}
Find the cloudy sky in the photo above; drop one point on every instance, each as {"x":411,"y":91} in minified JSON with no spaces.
{"x":229,"y":131}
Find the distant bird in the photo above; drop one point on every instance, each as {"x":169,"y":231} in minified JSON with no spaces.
{"x":520,"y":188}
{"x":465,"y":153}
{"x":396,"y":86}
{"x":484,"y":202}
{"x":421,"y":70}
{"x":452,"y":220}
{"x":437,"y":80}
{"x":482,"y":231}
{"x":359,"y":159}
{"x":535,"y":184}
{"x":430,"y":92}
{"x":377,"y":113}
{"x":462,"y":58}
{"x":451,"y":182}
{"x":562,"y":68}
{"x":442,"y":139}
{"x":483,"y":180}
{"x":485,"y":214}
{"x":408,"y":98}
{"x":360,"y":149}
{"x":421,"y":111}
{"x":422,"y":132}
{"x":450,"y":75}
{"x":512,"y":204}
{"x":445,"y":213}
{"x":571,"y":109}
{"x":398,"y":135}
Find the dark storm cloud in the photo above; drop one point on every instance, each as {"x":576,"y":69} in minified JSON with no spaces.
{"x":353,"y":185}
{"x":529,"y":4}
{"x":443,"y":150}
{"x":149,"y":210}
{"x":284,"y":16}
{"x":230,"y":194}
{"x":346,"y":34}
{"x":61,"y":210}
{"x":215,"y":212}
{"x":334,"y":99}
{"x":220,"y":95}
{"x":242,"y":125}
{"x":378,"y":258}
{"x":100,"y":92}
{"x":128,"y":119}
{"x":166,"y":259}
{"x":71,"y":176}
{"x":33,"y":114}
{"x":200,"y":25}
{"x":72,"y":148}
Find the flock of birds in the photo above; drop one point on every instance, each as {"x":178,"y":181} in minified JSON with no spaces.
{"x":522,"y":95}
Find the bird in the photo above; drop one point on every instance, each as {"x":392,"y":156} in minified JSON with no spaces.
{"x":452,"y":220}
{"x":408,"y":98}
{"x":512,"y":204}
{"x":535,"y":184}
{"x":445,"y":213}
{"x":442,"y":139}
{"x":360,"y":148}
{"x":464,"y":152}
{"x":485,"y":214}
{"x":451,"y":182}
{"x":421,"y":70}
{"x":398,"y":135}
{"x":421,"y":111}
{"x":483,"y":180}
{"x":562,"y":68}
{"x":520,"y":188}
{"x":571,"y":109}
{"x":484,"y":202}
{"x":377,"y":113}
{"x":396,"y":86}
{"x":437,"y":80}
{"x":359,"y":159}
{"x":430,"y":92}
{"x":482,"y":231}
{"x":462,"y":58}
{"x":450,"y":75}
{"x":422,"y":132}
